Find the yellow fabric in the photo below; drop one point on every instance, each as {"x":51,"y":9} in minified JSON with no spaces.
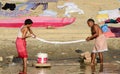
{"x":101,"y":16}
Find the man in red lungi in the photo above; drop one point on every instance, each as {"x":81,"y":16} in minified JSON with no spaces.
{"x":24,"y":32}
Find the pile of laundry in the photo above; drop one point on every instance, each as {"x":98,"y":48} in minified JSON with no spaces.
{"x":110,"y":31}
{"x":107,"y":15}
{"x":113,"y":32}
{"x":70,"y":7}
{"x":113,"y":20}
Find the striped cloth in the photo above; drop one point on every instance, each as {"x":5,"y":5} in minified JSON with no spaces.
{"x":42,"y":1}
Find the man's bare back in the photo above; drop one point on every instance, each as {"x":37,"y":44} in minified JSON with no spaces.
{"x":96,"y":29}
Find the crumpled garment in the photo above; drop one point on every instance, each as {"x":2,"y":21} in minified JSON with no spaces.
{"x":49,"y":13}
{"x":105,"y":28}
{"x":70,"y":8}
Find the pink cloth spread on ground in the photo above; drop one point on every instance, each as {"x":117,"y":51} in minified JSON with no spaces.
{"x":21,"y":48}
{"x":109,"y":34}
{"x":41,"y":21}
{"x":114,"y":32}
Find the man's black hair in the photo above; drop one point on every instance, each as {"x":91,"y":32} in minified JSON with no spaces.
{"x":90,"y":20}
{"x":28,"y":21}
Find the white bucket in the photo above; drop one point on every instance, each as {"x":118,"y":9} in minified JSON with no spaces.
{"x":42,"y":58}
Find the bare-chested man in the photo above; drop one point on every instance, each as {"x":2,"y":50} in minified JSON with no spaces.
{"x":100,"y":41}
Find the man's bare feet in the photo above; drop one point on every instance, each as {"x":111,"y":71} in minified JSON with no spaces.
{"x":93,"y":67}
{"x":92,"y":64}
{"x":22,"y":73}
{"x":101,"y":67}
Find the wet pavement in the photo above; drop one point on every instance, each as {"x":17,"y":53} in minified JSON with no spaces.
{"x":64,"y":67}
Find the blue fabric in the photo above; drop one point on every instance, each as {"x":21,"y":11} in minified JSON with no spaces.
{"x":28,"y":7}
{"x":104,"y":28}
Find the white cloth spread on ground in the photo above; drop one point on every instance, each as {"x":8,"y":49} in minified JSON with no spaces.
{"x":70,"y":8}
{"x":58,"y":42}
{"x":113,"y":14}
{"x":49,"y":13}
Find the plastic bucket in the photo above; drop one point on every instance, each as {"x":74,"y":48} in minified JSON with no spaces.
{"x":42,"y":58}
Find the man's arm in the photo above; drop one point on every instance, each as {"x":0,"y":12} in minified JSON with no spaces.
{"x":25,"y":33}
{"x":31,"y":32}
{"x":94,"y":35}
{"x":96,"y":32}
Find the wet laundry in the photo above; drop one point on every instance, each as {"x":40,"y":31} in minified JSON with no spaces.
{"x":70,"y":8}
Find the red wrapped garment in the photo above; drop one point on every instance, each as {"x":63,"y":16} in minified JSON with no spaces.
{"x":21,"y":48}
